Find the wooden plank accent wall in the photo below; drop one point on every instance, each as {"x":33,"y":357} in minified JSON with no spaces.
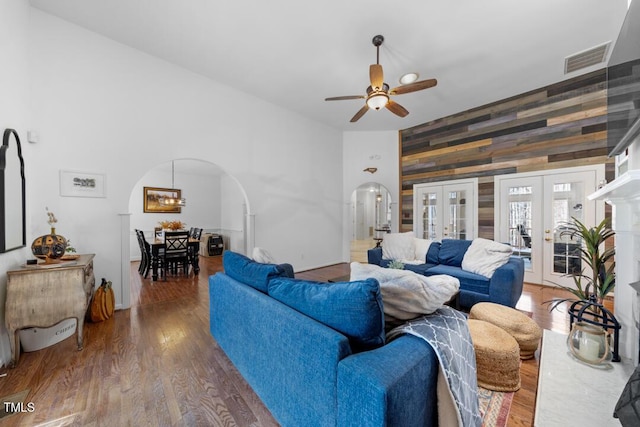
{"x":558,"y":126}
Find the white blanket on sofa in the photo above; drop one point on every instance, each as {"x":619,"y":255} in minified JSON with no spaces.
{"x":406,"y":294}
{"x":485,"y":256}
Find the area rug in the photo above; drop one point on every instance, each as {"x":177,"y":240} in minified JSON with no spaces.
{"x":494,"y":407}
{"x":14,"y":398}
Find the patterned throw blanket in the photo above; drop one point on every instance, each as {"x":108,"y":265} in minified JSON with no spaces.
{"x":447,"y":332}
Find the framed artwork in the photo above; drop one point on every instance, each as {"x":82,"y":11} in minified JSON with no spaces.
{"x":152,"y":196}
{"x":82,"y":184}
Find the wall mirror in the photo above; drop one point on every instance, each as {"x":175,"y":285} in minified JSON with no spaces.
{"x":12,"y":199}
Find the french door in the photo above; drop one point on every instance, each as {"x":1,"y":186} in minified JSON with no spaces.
{"x":532,"y":211}
{"x":445,"y":210}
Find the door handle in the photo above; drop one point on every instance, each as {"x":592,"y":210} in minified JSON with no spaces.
{"x":547,"y":231}
{"x":548,"y":239}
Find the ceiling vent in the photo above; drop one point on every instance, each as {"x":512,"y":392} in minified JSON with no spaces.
{"x":586,"y":58}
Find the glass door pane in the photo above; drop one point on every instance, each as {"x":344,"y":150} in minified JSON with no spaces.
{"x":520,"y":221}
{"x":566,"y":196}
{"x":520,"y":217}
{"x":566,"y":204}
{"x":456,"y":226}
{"x":430,"y":216}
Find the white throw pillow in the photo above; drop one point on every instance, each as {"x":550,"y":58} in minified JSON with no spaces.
{"x":398,"y":246}
{"x":406,"y":294}
{"x":484,"y":257}
{"x":262,"y":256}
{"x":421,"y":247}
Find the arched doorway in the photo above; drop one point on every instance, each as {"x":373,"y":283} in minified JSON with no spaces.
{"x":215,"y":201}
{"x":370,"y":213}
{"x":201,"y":182}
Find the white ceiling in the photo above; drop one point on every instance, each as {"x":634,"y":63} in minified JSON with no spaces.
{"x":296,"y":53}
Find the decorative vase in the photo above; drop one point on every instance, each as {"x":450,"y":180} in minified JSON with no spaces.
{"x":49,"y":247}
{"x":589,"y":343}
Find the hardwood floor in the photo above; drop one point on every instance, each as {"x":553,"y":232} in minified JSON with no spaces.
{"x":157,"y":364}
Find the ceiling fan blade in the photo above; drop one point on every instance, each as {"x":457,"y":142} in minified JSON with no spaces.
{"x":397,"y":109}
{"x":342,"y":98}
{"x":360,"y":113}
{"x":413,"y":87}
{"x":376,"y":76}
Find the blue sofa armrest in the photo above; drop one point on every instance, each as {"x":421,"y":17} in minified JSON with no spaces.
{"x":374,"y":256}
{"x":507,"y":282}
{"x":289,"y":359}
{"x":394,"y":385}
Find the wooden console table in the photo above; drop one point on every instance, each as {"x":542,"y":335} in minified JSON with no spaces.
{"x":42,"y":296}
{"x":573,"y":393}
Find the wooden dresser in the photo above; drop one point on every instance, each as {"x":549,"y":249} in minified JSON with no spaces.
{"x":42,"y":296}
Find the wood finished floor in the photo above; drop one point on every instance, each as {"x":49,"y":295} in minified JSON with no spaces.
{"x":156,"y":364}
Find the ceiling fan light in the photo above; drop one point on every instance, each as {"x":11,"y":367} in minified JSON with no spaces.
{"x":377,"y":100}
{"x":408,"y":78}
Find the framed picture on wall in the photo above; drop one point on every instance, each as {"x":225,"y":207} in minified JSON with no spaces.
{"x":82,"y":184}
{"x":153,"y":195}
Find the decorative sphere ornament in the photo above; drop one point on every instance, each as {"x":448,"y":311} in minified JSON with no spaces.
{"x":49,"y":247}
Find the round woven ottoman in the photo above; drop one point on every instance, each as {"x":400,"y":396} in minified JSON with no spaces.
{"x":497,"y":357}
{"x":520,"y":326}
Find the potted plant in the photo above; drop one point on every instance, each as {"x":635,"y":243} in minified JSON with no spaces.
{"x":591,"y":323}
{"x":396,"y":264}
{"x":597,"y":276}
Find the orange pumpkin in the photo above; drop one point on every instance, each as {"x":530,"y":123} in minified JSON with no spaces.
{"x":103,"y":303}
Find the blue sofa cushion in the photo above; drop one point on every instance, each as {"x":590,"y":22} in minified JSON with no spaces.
{"x":433,"y":253}
{"x":352,"y":308}
{"x":249,"y":272}
{"x":452,"y":251}
{"x":419,"y":268}
{"x":472,"y":282}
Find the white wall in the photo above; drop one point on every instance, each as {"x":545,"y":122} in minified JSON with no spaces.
{"x":369,"y":149}
{"x":14,"y":113}
{"x":102,"y":107}
{"x":626,"y":224}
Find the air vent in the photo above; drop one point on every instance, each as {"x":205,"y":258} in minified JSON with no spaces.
{"x":586,"y":58}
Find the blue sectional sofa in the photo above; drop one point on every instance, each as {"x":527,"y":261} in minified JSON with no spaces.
{"x":504,"y":287}
{"x":310,"y":374}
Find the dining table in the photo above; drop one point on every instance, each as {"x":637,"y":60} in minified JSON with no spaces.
{"x":157,"y":243}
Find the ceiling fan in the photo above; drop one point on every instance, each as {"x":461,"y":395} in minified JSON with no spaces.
{"x":378,"y":94}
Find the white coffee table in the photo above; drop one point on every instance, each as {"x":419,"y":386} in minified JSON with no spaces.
{"x":571,"y":393}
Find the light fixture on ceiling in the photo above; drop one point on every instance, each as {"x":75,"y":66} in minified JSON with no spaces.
{"x":378,"y":93}
{"x":172,"y":201}
{"x":377,"y":99}
{"x":405,"y":79}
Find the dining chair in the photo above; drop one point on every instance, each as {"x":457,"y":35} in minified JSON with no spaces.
{"x":176,"y":255}
{"x":141,"y":267}
{"x":196,"y":234}
{"x":157,"y":232}
{"x":145,"y":254}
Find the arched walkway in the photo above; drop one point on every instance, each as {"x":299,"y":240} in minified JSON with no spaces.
{"x":215,"y":202}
